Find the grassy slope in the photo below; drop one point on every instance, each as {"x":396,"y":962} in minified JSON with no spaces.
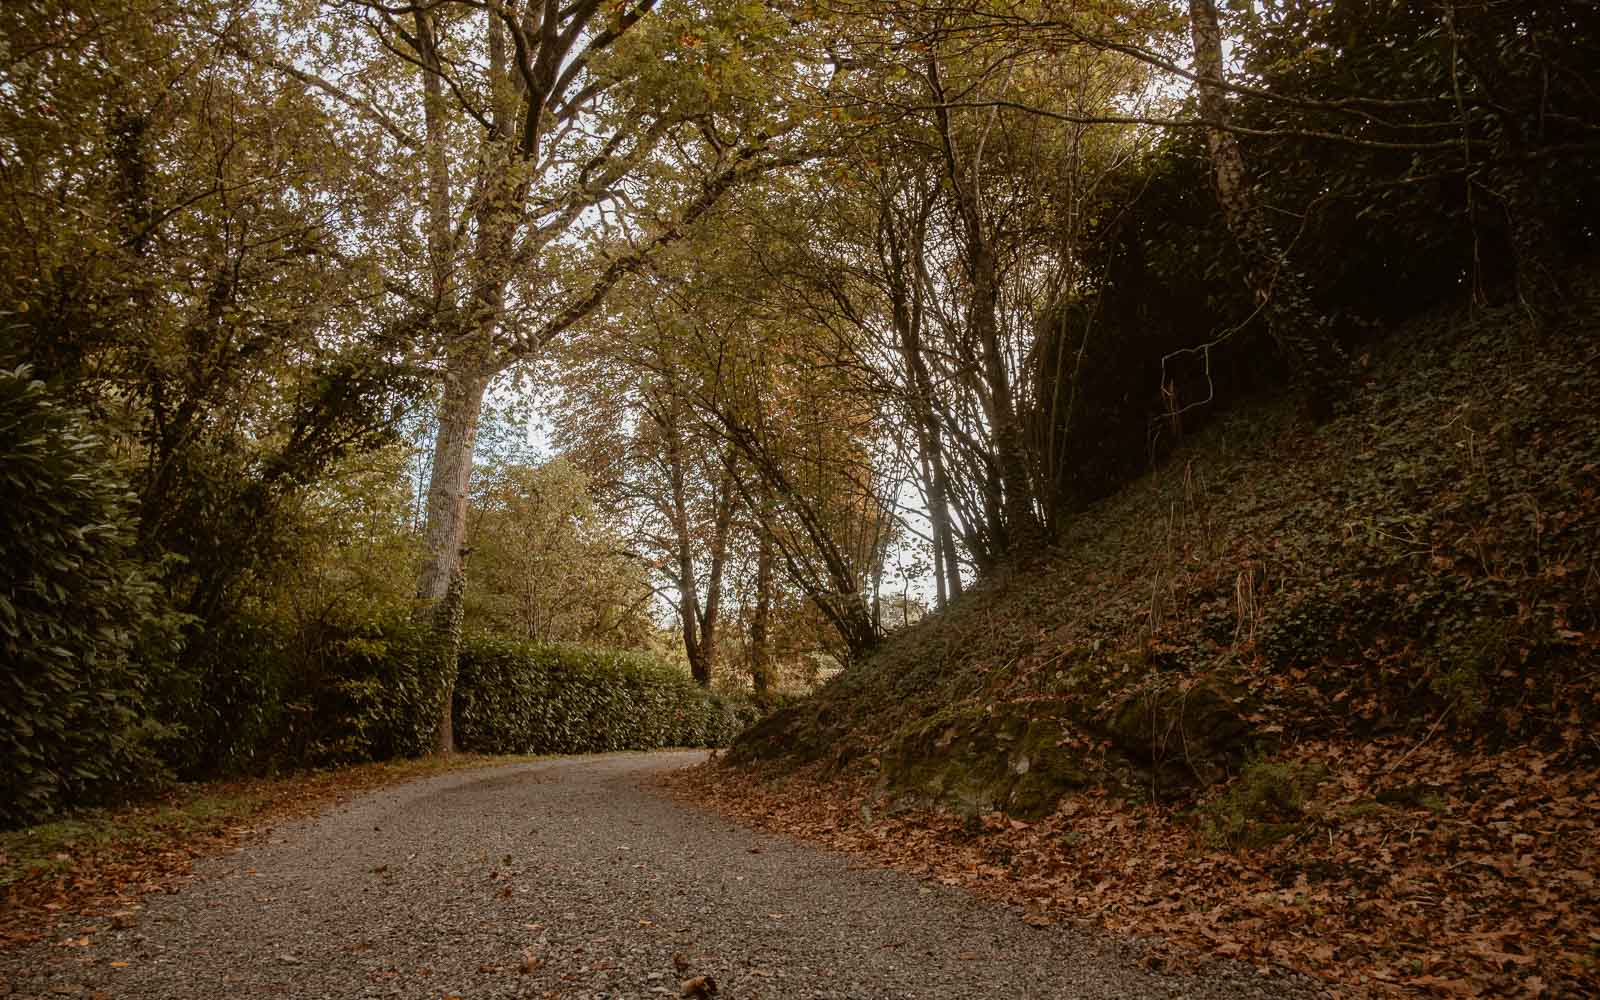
{"x":1410,"y":597}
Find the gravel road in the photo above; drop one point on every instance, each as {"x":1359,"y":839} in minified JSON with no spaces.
{"x":456,"y":886}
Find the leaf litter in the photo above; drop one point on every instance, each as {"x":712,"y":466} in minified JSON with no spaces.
{"x":1485,"y":886}
{"x":89,"y":873}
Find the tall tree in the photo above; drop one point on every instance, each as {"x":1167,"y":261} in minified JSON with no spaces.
{"x":964,"y":173}
{"x":559,"y":148}
{"x":172,"y":241}
{"x":699,"y":596}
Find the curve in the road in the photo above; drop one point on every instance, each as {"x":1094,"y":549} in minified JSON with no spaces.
{"x":571,"y":879}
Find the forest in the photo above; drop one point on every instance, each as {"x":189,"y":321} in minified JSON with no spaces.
{"x":384,"y":378}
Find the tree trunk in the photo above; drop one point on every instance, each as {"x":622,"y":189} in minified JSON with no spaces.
{"x":711,"y":611}
{"x":1024,"y":530}
{"x":454,"y":440}
{"x":696,"y":644}
{"x":1020,"y":530}
{"x":447,"y":619}
{"x":944,"y":534}
{"x":444,"y":538}
{"x":1303,"y":336}
{"x":441,"y":244}
{"x":1541,"y":288}
{"x":760,"y":621}
{"x":907,"y":318}
{"x":941,"y":591}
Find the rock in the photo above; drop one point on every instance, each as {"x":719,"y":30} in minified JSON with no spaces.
{"x":1187,"y":736}
{"x":801,"y":732}
{"x":1022,"y":757}
{"x":976,"y":759}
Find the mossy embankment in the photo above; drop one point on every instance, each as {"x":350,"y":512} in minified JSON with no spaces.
{"x":1424,"y":562}
{"x":1322,"y":697}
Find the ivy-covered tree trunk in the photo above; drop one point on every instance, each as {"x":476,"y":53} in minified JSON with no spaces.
{"x":1304,"y":337}
{"x":448,"y":616}
{"x":445,"y":533}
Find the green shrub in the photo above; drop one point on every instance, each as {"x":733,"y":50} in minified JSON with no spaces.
{"x":517,"y":697}
{"x":232,"y":700}
{"x":381,"y":696}
{"x":276,"y":696}
{"x":84,"y":631}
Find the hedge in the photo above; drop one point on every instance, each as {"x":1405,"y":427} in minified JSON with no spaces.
{"x":519,"y":697}
{"x":382,"y":694}
{"x":84,"y":630}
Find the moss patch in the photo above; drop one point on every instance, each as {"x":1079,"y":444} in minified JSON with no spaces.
{"x":1187,"y":735}
{"x":1263,"y":805}
{"x":1017,"y":758}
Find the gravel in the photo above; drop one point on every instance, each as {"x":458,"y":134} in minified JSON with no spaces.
{"x":574,"y":879}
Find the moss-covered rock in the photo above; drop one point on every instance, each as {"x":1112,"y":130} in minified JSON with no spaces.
{"x":1186,"y":736}
{"x":981,"y":758}
{"x":802,"y":733}
{"x":1263,"y":805}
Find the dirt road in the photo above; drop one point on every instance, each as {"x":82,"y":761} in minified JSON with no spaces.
{"x":573,"y":879}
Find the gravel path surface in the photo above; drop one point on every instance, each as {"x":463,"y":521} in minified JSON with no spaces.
{"x":450,"y":886}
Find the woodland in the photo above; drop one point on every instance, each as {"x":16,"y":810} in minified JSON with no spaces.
{"x":381,"y":379}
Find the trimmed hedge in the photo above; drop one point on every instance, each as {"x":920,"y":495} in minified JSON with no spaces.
{"x":518,"y":697}
{"x":369,"y":691}
{"x":383,"y":695}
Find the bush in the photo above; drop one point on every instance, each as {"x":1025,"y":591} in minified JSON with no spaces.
{"x":83,"y":629}
{"x":381,"y":696}
{"x":275,"y":696}
{"x":230,"y":700}
{"x":516,"y":697}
